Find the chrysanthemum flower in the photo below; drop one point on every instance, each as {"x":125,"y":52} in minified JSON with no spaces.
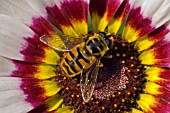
{"x":136,"y":79}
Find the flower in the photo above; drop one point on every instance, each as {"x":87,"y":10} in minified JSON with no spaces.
{"x":136,"y":78}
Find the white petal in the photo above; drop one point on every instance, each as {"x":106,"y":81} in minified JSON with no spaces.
{"x":164,"y":41}
{"x":17,"y":107}
{"x":18,"y":9}
{"x":40,"y":5}
{"x":156,"y":10}
{"x":162,"y":15}
{"x":12,"y":99}
{"x":12,"y":34}
{"x":7,"y":67}
{"x":14,"y":27}
{"x":147,"y":8}
{"x":9,"y":83}
{"x":22,"y":11}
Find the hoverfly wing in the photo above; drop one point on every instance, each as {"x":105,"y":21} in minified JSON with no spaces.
{"x":88,"y":80}
{"x":61,"y":42}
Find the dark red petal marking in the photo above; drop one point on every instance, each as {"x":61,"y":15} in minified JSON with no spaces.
{"x":66,"y":14}
{"x":56,"y":17}
{"x":75,"y":9}
{"x":158,"y":34}
{"x":161,"y":106}
{"x":35,"y":54}
{"x":24,"y":70}
{"x":41,"y":26}
{"x":152,"y":38}
{"x":164,"y":94}
{"x":102,"y":11}
{"x":76,"y":12}
{"x":164,"y":41}
{"x":112,"y":5}
{"x":40,"y":109}
{"x":50,"y":104}
{"x":158,"y":55}
{"x":165,"y":75}
{"x":32,"y":70}
{"x":159,"y":75}
{"x":157,"y":90}
{"x":119,"y":17}
{"x":38,"y":52}
{"x":162,"y":53}
{"x":35,"y":93}
{"x":38,"y":91}
{"x":100,"y":7}
{"x":122,"y":10}
{"x":153,"y":104}
{"x":139,"y":23}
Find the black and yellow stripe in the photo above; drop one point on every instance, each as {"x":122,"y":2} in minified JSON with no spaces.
{"x":74,"y":61}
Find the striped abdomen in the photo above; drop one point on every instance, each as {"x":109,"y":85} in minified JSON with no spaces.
{"x":74,"y":61}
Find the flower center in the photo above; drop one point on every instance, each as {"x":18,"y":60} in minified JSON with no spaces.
{"x":119,"y":82}
{"x":106,"y":86}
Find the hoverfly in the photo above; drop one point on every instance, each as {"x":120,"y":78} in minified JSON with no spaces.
{"x":82,"y":57}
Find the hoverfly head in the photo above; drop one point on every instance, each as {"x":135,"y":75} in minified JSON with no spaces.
{"x":96,"y":45}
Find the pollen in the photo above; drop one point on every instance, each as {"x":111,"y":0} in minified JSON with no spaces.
{"x":137,"y":70}
{"x":117,"y":54}
{"x":119,"y":93}
{"x":127,"y":82}
{"x":124,"y":55}
{"x":135,"y":76}
{"x":67,"y":88}
{"x":132,"y":65}
{"x":123,"y":100}
{"x":128,"y":93}
{"x":72,"y":95}
{"x":123,"y":61}
{"x":97,"y":102}
{"x":123,"y":44}
{"x":128,"y":70}
{"x":131,"y":57}
{"x":115,"y":105}
{"x":113,"y":95}
{"x":78,"y":85}
{"x":103,"y":107}
{"x":134,"y":88}
{"x":116,"y":48}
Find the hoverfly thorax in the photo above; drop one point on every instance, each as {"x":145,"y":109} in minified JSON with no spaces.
{"x":96,"y":45}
